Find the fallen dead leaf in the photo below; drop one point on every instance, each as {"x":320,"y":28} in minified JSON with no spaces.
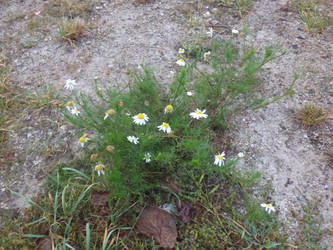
{"x":158,"y":225}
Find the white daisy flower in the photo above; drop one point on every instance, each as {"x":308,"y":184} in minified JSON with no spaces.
{"x":108,"y":113}
{"x":69,"y":106}
{"x":75,"y":111}
{"x":133,"y":139}
{"x":219,"y":159}
{"x":100,"y":169}
{"x":168,"y":109}
{"x":181,"y":62}
{"x":210,"y":32}
{"x":165,"y":127}
{"x":197,"y":114}
{"x":268,"y":207}
{"x":83,"y":139}
{"x":181,"y":51}
{"x":206,"y":54}
{"x":147,"y":157}
{"x":234,"y":31}
{"x":240,"y":155}
{"x":189,"y":93}
{"x":70,"y":84}
{"x":140,"y":119}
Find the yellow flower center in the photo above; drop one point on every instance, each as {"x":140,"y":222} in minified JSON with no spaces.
{"x":219,"y":157}
{"x":169,"y":107}
{"x":181,"y":50}
{"x":75,"y":110}
{"x":268,"y":205}
{"x":70,"y":83}
{"x":206,"y":54}
{"x":69,"y":104}
{"x":165,"y":125}
{"x":111,"y":112}
{"x":181,"y":60}
{"x":198,"y":112}
{"x":140,"y":116}
{"x":82,"y":139}
{"x":99,"y":167}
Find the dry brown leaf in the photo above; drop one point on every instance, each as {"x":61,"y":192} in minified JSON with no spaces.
{"x":158,"y":225}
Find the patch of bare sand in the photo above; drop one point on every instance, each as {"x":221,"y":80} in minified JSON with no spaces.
{"x":291,"y":157}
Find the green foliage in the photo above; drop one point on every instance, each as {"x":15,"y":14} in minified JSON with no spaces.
{"x":310,"y":227}
{"x":226,"y":215}
{"x":311,"y":14}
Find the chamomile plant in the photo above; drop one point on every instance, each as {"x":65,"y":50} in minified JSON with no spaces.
{"x":144,"y":136}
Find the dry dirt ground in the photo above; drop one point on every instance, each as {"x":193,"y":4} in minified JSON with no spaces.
{"x":291,"y":157}
{"x":125,"y":33}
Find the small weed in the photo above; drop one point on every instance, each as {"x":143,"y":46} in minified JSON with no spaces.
{"x":310,"y":233}
{"x":7,"y":94}
{"x":72,"y":29}
{"x":70,"y":8}
{"x":311,"y":115}
{"x":308,"y":11}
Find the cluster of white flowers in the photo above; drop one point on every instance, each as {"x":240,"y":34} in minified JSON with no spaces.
{"x":142,"y":119}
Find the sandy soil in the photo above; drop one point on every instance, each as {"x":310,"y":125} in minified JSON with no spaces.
{"x":126,"y":33}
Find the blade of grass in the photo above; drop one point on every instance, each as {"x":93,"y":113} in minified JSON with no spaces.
{"x":64,"y":208}
{"x":110,"y":233}
{"x":35,"y":235}
{"x":87,"y":236}
{"x":83,"y":194}
{"x":55,"y":208}
{"x":36,"y":221}
{"x":86,"y":177}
